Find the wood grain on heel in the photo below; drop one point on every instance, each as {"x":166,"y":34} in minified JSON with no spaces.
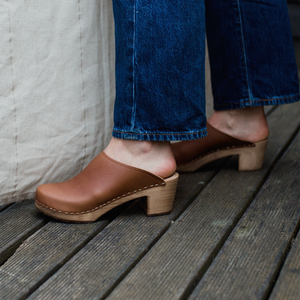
{"x":251,"y":159}
{"x":160,"y":200}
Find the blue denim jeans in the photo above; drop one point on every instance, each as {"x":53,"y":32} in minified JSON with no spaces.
{"x":160,"y":63}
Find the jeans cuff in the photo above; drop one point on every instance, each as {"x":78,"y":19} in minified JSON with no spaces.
{"x":258,"y":102}
{"x":160,"y":137}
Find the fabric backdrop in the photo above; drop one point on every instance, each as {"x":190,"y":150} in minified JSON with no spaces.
{"x":57,"y":90}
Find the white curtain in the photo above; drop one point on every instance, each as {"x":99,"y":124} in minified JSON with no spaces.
{"x":57,"y":90}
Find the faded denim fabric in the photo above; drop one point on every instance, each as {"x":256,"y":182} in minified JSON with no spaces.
{"x":251,"y":53}
{"x":160,"y":63}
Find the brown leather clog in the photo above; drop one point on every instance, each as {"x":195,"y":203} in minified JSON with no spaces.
{"x":191,"y":155}
{"x":103,"y":185}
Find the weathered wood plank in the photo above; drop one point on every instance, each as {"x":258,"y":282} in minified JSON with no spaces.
{"x":183,"y":254}
{"x":17,"y":223}
{"x":288,"y":284}
{"x":44,"y":253}
{"x":100,"y":265}
{"x":5,"y":206}
{"x":251,"y":258}
{"x":96,"y":270}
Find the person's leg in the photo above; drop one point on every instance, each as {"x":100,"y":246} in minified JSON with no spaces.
{"x":160,"y":52}
{"x":160,"y":83}
{"x":252,"y":64}
{"x":248,"y":124}
{"x":154,"y":157}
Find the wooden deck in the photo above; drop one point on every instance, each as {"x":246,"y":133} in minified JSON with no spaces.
{"x":231,"y":235}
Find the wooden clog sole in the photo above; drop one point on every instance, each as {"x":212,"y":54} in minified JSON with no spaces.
{"x":250,"y":158}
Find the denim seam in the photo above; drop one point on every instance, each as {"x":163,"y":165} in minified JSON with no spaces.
{"x":244,"y":50}
{"x":259,"y":100}
{"x":133,"y":112}
{"x":126,"y":132}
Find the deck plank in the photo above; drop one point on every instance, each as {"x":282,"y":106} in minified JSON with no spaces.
{"x":18,"y":222}
{"x":249,"y":262}
{"x":42,"y":254}
{"x":184,"y":253}
{"x":102,"y":264}
{"x":5,"y":206}
{"x":288,"y":284}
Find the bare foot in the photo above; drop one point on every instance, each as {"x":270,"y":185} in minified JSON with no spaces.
{"x":247,"y":124}
{"x":154,"y":157}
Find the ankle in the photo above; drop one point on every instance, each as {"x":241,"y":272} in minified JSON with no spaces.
{"x":249,"y":124}
{"x":154,"y":157}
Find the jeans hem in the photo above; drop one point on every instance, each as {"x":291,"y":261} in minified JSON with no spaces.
{"x":159,"y":137}
{"x":258,"y":102}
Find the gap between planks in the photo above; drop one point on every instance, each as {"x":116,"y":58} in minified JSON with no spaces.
{"x":287,"y":285}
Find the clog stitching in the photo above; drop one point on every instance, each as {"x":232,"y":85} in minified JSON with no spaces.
{"x":97,"y":207}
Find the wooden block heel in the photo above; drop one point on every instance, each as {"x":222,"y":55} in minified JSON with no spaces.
{"x":251,"y":159}
{"x":160,"y":200}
